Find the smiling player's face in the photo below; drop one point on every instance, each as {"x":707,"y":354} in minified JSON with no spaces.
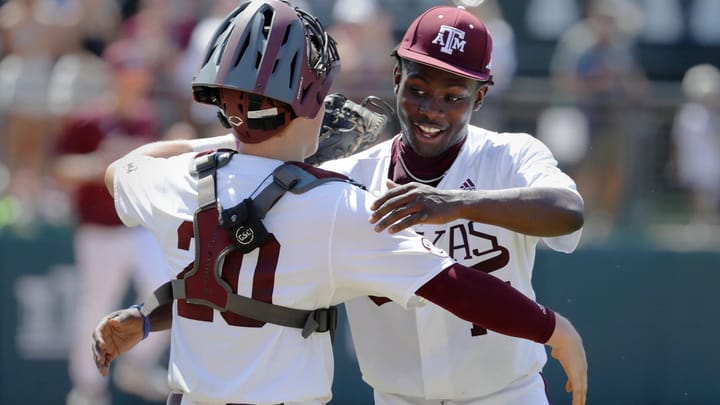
{"x":434,"y":106}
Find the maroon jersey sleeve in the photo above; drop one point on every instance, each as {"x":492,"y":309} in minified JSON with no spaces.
{"x":487,"y":301}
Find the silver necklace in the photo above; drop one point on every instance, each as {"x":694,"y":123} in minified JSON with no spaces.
{"x":412,"y":176}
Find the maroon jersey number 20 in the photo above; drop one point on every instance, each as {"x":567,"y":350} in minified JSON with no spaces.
{"x":263,"y":279}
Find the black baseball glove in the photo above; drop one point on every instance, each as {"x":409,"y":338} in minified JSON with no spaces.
{"x":349,"y":127}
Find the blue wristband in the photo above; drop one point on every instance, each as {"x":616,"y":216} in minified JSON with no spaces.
{"x":146,"y":320}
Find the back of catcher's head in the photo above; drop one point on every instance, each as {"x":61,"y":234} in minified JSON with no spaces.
{"x":266,"y":64}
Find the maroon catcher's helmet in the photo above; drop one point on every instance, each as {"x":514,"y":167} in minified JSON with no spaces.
{"x":266,"y":50}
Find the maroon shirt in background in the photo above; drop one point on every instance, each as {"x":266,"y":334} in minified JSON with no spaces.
{"x":83,"y":133}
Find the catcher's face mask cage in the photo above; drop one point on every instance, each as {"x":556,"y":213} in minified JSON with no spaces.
{"x":269,"y":49}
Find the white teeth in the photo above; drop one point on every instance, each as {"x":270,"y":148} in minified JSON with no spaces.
{"x":429,"y":130}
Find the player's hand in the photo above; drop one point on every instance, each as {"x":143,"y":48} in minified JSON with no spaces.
{"x":567,"y":348}
{"x":116,"y":333}
{"x":411,"y":204}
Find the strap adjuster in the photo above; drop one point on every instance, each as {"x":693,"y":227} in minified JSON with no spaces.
{"x":321,"y":320}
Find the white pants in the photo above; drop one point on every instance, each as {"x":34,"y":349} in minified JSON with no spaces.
{"x":529,"y":390}
{"x":107,"y":260}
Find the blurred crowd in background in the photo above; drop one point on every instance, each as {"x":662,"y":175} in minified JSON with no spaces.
{"x":625,"y":92}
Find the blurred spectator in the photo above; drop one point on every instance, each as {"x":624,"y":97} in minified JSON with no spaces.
{"x":79,"y":72}
{"x":76,"y":78}
{"x":504,"y":62}
{"x":549,"y":19}
{"x":696,"y":140}
{"x":594,"y":69}
{"x":109,"y":255}
{"x":403,"y":12}
{"x":704,"y":26}
{"x":364,"y":36}
{"x":663,"y":21}
{"x":163,"y":29}
{"x":203,"y":117}
{"x":28,"y":36}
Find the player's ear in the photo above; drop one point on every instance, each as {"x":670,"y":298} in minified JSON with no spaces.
{"x":480,"y":95}
{"x":397,"y":73}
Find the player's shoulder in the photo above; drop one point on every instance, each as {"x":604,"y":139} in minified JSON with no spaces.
{"x":368,"y":156}
{"x":481,"y":137}
{"x":497,"y":137}
{"x":324,"y":175}
{"x":320,"y":173}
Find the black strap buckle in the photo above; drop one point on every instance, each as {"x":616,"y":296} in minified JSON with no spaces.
{"x":327,"y":319}
{"x":321,"y":320}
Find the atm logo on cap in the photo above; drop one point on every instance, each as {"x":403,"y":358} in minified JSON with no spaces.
{"x":450,"y":39}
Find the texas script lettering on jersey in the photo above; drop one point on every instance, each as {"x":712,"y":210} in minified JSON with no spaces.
{"x":464,"y":242}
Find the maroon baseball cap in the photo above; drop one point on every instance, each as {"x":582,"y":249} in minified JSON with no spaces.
{"x":449,"y":38}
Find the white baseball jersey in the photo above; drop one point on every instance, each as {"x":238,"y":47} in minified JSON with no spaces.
{"x":428,"y":352}
{"x":324,"y":252}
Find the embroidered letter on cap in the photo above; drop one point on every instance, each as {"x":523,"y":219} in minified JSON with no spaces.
{"x":455,"y":39}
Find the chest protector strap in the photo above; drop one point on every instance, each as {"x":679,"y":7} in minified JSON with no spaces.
{"x":246,"y":232}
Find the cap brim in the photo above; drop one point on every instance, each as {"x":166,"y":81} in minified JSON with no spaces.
{"x":439,"y":64}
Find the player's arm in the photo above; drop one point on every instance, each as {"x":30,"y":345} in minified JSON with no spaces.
{"x":121,"y":330}
{"x":487,"y":301}
{"x":165,"y":149}
{"x":537,"y":211}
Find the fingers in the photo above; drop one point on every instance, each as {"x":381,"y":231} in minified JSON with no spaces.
{"x":567,"y":348}
{"x":579,"y":390}
{"x":394,"y":190}
{"x":393,"y":206}
{"x":578,"y":379}
{"x":575,"y":366}
{"x":385,"y":201}
{"x":411,"y":204}
{"x":101,"y":356}
{"x":397,"y":215}
{"x":579,"y":394}
{"x":98,"y":358}
{"x":103,"y":368}
{"x":386,"y":206}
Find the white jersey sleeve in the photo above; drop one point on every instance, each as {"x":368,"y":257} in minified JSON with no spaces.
{"x":145,"y":185}
{"x":535,"y":166}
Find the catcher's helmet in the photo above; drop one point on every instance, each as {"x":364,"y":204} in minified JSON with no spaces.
{"x":266,"y":50}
